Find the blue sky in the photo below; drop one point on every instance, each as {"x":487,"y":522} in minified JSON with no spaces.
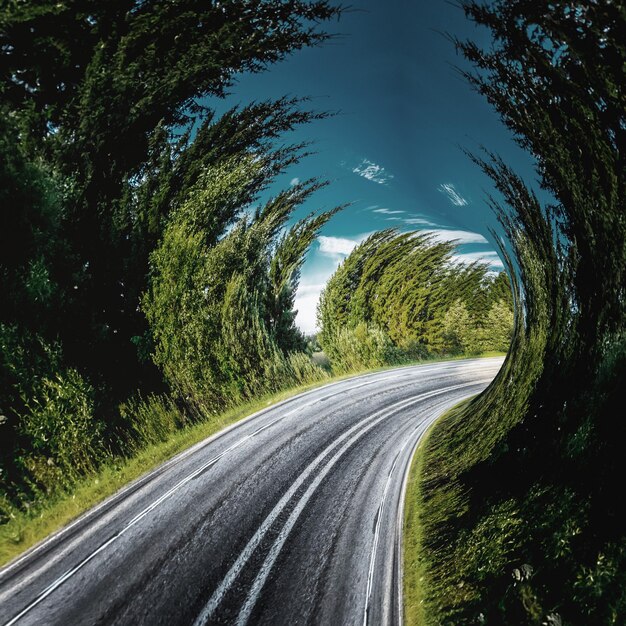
{"x":394,"y":150}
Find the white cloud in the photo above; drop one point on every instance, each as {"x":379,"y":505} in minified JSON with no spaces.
{"x":458,"y":236}
{"x":294,"y":182}
{"x":387,"y":211}
{"x":453,"y":195}
{"x":336,"y":246}
{"x":418,"y":221}
{"x":369,"y":170}
{"x":490,"y":257}
{"x":307,"y":297}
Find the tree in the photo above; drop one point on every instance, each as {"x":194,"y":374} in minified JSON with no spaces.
{"x":108,"y":93}
{"x":105,"y":139}
{"x":219,"y":327}
{"x":404,"y":285}
{"x":459,"y":330}
{"x":498,"y":329}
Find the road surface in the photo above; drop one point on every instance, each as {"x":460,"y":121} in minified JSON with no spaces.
{"x":292,"y":516}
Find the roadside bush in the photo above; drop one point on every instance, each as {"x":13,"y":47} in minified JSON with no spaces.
{"x":60,"y":432}
{"x":304,"y":370}
{"x":362,"y":347}
{"x":458,"y":331}
{"x":149,"y":421}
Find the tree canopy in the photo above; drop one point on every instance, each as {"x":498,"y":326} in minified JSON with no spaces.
{"x":110,"y":154}
{"x":404,"y":285}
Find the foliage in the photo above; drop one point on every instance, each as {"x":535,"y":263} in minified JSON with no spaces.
{"x":150,"y":422}
{"x":363,"y":347}
{"x":405,"y":287}
{"x":59,"y":429}
{"x":459,"y":334}
{"x":221,"y":312}
{"x":108,"y":151}
{"x":550,"y":422}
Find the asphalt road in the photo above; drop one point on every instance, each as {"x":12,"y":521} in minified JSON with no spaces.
{"x":292,"y":516}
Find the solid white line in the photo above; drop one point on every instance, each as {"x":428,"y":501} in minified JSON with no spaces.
{"x":256,"y":539}
{"x":400,"y":519}
{"x":245,"y":555}
{"x":414,"y":440}
{"x":261,"y":578}
{"x":370,"y":573}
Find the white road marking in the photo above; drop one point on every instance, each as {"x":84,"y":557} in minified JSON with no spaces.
{"x":379,"y":514}
{"x":69,"y":573}
{"x":256,"y":539}
{"x":419,"y":430}
{"x":371,"y":379}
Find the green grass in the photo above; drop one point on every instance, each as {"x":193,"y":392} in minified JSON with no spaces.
{"x":441,"y":552}
{"x":27,"y":527}
{"x":416,"y":561}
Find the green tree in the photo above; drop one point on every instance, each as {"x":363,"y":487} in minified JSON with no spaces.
{"x":111,"y":95}
{"x":403,"y":285}
{"x":220,"y":333}
{"x":459,"y":330}
{"x":498,"y":328}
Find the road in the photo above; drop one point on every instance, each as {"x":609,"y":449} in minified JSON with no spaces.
{"x":292,"y":516}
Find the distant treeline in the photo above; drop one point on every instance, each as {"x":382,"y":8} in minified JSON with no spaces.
{"x":400,"y":297}
{"x":143,"y":282}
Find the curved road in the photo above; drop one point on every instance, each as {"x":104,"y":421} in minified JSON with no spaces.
{"x":292,"y":516}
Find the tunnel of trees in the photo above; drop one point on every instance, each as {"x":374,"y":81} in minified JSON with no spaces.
{"x":124,"y":198}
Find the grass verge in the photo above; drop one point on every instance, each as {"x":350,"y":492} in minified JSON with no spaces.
{"x":416,"y":560}
{"x":446,"y":555}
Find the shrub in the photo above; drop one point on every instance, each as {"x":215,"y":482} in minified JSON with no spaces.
{"x":61,"y":434}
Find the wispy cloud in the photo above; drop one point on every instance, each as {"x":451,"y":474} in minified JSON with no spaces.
{"x":336,"y":246}
{"x":369,"y":170}
{"x":387,"y":211}
{"x":418,"y":221}
{"x":294,"y":182}
{"x":453,"y":195}
{"x":459,"y":236}
{"x":490,"y":257}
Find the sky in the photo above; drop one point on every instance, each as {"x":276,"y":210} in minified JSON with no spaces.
{"x":394,"y":149}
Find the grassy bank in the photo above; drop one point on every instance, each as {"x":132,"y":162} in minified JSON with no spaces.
{"x":446,"y":560}
{"x":30,"y":525}
{"x":422,"y":513}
